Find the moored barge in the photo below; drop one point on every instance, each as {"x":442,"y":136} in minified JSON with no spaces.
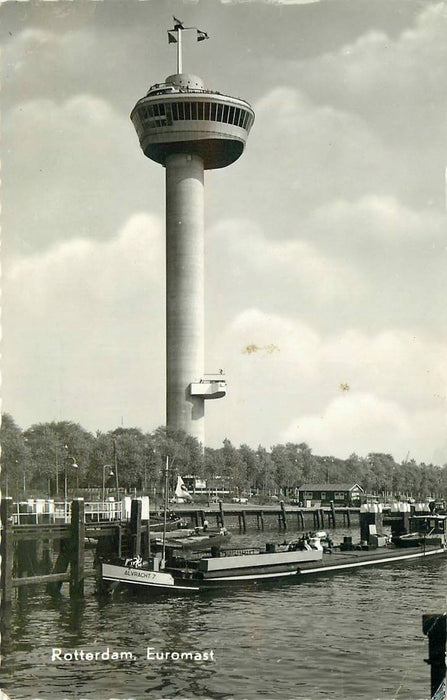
{"x":296,"y":561}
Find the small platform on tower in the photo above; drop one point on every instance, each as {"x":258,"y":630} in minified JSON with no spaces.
{"x":209,"y":387}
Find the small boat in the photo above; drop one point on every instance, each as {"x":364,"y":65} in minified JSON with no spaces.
{"x":197,"y":538}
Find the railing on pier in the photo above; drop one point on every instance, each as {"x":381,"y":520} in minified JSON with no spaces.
{"x":39,"y":511}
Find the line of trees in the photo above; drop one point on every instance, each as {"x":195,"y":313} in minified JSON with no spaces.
{"x":39,"y":461}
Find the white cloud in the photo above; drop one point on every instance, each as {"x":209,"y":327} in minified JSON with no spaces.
{"x":353,"y":422}
{"x":84,"y":325}
{"x":278,"y":267}
{"x":348,"y":391}
{"x":78,"y":165}
{"x":363,"y":423}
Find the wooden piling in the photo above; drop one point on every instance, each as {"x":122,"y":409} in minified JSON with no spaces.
{"x":221,"y":514}
{"x":58,"y":575}
{"x":148,"y":540}
{"x":283,"y":519}
{"x":434,"y":626}
{"x":77,"y":548}
{"x":135,"y":527}
{"x":332,"y":514}
{"x":119,"y":540}
{"x":6,"y":549}
{"x":322,"y":518}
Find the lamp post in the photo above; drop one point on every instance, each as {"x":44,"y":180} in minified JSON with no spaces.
{"x":65,"y":447}
{"x":106,"y":466}
{"x":75,"y":466}
{"x":115,"y":462}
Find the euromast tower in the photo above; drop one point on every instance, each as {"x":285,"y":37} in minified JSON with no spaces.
{"x":188,"y":129}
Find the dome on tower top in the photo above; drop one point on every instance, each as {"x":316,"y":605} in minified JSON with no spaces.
{"x":187,"y":81}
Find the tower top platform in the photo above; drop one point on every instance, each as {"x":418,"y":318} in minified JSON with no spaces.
{"x":182,"y":116}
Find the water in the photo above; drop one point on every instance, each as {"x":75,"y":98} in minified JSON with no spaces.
{"x":352,"y":635}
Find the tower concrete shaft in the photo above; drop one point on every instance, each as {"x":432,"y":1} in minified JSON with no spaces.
{"x":185,"y":291}
{"x":188,"y":129}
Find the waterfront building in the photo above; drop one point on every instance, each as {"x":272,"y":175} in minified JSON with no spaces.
{"x":341,"y":494}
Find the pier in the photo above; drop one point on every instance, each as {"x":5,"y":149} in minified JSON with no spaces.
{"x":315,"y":518}
{"x":50,"y":553}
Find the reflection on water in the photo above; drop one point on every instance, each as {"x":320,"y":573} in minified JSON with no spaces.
{"x":352,"y":635}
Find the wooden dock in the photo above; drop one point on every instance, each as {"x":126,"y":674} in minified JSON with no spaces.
{"x":286,"y":516}
{"x":27,"y":549}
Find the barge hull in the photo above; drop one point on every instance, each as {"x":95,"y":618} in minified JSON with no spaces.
{"x":343,"y":561}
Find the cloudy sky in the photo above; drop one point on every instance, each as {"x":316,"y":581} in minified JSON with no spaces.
{"x":325,"y":242}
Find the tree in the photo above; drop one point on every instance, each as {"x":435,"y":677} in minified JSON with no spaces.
{"x":55,"y":448}
{"x":233,"y":465}
{"x":294,"y":465}
{"x":184,"y":452}
{"x":267,"y":471}
{"x":16,"y":458}
{"x":251,"y":466}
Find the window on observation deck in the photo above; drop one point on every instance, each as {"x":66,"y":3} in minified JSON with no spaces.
{"x":160,"y":114}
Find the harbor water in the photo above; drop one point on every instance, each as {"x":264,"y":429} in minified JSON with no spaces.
{"x":352,"y":635}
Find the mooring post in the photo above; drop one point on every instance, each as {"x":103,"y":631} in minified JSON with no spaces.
{"x":322,"y":517}
{"x":221,"y":514}
{"x":242,"y":522}
{"x":77,"y":548}
{"x":119,"y":540}
{"x":7,"y":550}
{"x":434,"y":626}
{"x":135,"y":526}
{"x":148,"y":540}
{"x":333,"y":514}
{"x":283,"y":515}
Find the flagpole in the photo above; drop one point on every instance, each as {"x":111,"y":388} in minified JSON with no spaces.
{"x":179,"y":50}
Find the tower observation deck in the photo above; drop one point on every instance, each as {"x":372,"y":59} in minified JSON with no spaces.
{"x":188,"y":129}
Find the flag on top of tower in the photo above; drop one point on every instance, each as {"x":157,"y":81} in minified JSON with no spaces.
{"x":178,"y":24}
{"x":171,"y":38}
{"x":201,"y":36}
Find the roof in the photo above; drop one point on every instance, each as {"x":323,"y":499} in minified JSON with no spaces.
{"x":329,"y":487}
